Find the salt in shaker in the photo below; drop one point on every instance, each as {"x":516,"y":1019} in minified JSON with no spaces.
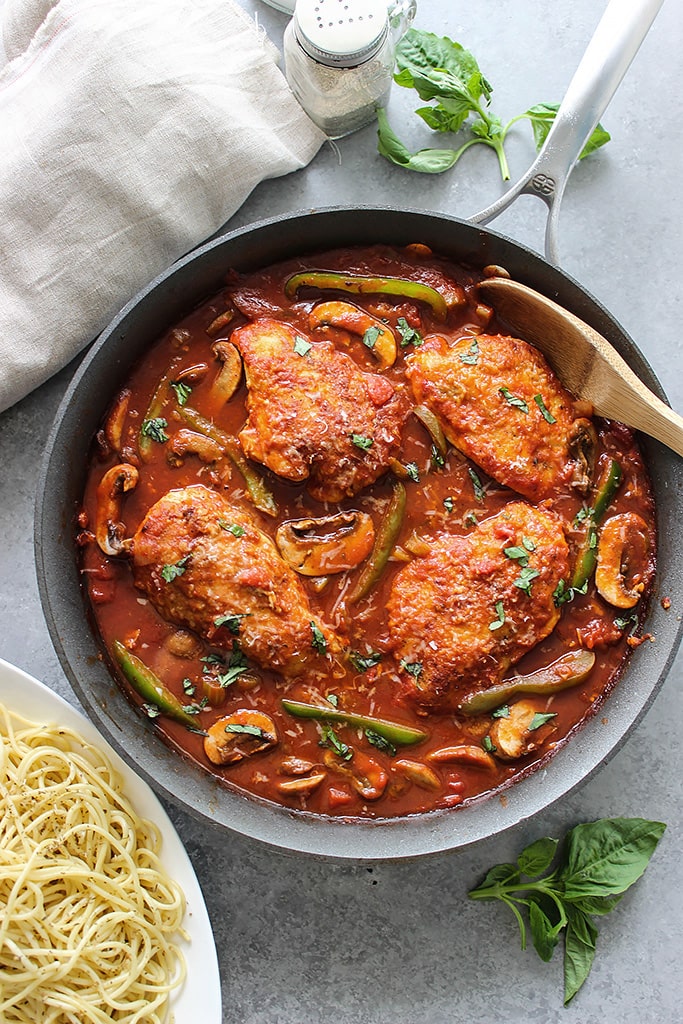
{"x":339,"y":58}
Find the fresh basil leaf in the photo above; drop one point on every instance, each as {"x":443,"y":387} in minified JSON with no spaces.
{"x":441,"y":120}
{"x":438,"y":67}
{"x":471,"y":357}
{"x":520,"y":554}
{"x":538,"y":856}
{"x":448,"y":504}
{"x":597,"y":905}
{"x":579,"y":951}
{"x":426,"y":161}
{"x":501,"y":712}
{"x":605,"y":857}
{"x":413,"y":471}
{"x":500,"y":612}
{"x":498,"y":876}
{"x":438,"y":461}
{"x":544,"y":934}
{"x":234,"y":528}
{"x":542,"y":117}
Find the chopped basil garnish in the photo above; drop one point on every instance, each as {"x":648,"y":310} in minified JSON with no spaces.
{"x":548,"y":416}
{"x":329,"y":738}
{"x":413,"y":472}
{"x":231,"y":622}
{"x":380,"y":742}
{"x":363,"y":662}
{"x":448,"y":504}
{"x":151,"y":710}
{"x":438,"y":460}
{"x":584,"y":513}
{"x":234,"y":528}
{"x":525,"y":578}
{"x":370,"y":337}
{"x":409,"y":336}
{"x":247,"y":730}
{"x":539,"y":719}
{"x":172,"y":572}
{"x":194,"y":709}
{"x":234,"y":667}
{"x":514,"y":400}
{"x":332,"y":699}
{"x":155,"y":429}
{"x":520,"y":554}
{"x":318,"y":641}
{"x":470,"y":358}
{"x":500,"y":612}
{"x":502,"y":712}
{"x":413,"y":668}
{"x":488,"y":745}
{"x":182,"y":391}
{"x":476,"y":484}
{"x":301,"y":346}
{"x":470,"y":519}
{"x":564,"y":593}
{"x":189,"y":687}
{"x":364,"y":443}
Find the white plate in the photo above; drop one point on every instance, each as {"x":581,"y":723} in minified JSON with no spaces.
{"x":199,"y":999}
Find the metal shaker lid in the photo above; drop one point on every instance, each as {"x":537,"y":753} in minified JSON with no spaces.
{"x":341,"y":33}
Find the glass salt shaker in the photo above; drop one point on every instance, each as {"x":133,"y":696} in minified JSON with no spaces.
{"x":339,"y":58}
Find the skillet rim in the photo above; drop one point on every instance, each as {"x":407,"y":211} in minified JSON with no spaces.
{"x":75,"y":642}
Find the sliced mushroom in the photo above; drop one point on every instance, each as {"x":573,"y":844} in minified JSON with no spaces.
{"x":367,"y":776}
{"x":219,"y":322}
{"x":378,"y":337}
{"x":242,"y":734}
{"x":184,"y":644}
{"x":624,"y":564}
{"x":301,"y":786}
{"x":583,"y":445}
{"x":330,"y":544}
{"x":113,"y":426}
{"x":516,"y":735}
{"x":228,"y":378}
{"x":295,"y":766}
{"x":189,"y":442}
{"x":420,"y":774}
{"x":192,"y":375}
{"x":464,"y":753}
{"x":109,"y":530}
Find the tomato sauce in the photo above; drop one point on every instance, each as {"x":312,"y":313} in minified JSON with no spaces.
{"x":366,"y":780}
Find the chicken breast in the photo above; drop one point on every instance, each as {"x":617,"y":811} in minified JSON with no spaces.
{"x":461,"y":615}
{"x":313,"y":414}
{"x":500,"y":403}
{"x":207,"y":566}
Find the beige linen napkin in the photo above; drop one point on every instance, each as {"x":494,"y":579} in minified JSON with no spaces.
{"x":132,"y":130}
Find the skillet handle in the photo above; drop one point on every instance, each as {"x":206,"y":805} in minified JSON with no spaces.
{"x":616,"y":41}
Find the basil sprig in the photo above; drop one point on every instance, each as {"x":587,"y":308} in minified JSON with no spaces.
{"x":595,"y":866}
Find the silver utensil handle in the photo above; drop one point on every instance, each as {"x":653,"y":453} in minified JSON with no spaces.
{"x":616,"y":41}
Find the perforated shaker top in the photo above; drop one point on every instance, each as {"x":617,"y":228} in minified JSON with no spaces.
{"x":341,"y":33}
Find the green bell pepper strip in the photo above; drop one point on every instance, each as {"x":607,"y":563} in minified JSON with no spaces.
{"x":148,"y":685}
{"x":399,"y":735}
{"x":358,"y":284}
{"x":385,"y":540}
{"x":587,"y":556}
{"x":431,"y":424}
{"x":569,"y":670}
{"x":254,"y":482}
{"x":154,"y":409}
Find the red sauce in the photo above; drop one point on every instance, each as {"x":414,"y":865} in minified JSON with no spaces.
{"x":442,"y":501}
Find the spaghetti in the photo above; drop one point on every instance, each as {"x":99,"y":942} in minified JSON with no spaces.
{"x":88,"y":917}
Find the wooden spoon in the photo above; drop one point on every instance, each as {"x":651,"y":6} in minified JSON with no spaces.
{"x":584,"y":361}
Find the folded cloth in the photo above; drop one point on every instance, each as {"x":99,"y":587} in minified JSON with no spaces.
{"x":132,"y":131}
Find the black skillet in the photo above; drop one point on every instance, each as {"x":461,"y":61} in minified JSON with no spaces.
{"x":106,"y":367}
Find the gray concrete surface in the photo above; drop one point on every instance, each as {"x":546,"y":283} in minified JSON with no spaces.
{"x":302,"y":941}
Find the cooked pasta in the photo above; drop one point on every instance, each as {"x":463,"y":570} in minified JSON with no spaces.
{"x":88,"y":916}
